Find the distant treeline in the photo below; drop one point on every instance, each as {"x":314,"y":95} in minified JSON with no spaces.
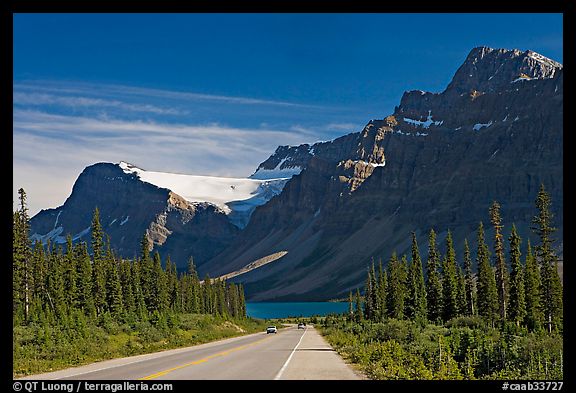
{"x":52,"y":282}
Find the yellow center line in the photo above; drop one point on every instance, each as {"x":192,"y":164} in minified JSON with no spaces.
{"x":223,"y":353}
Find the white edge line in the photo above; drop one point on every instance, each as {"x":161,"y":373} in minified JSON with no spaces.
{"x":279,"y":375}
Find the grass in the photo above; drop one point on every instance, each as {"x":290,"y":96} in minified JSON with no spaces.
{"x":41,"y":348}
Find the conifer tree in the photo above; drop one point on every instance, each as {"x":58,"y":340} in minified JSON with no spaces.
{"x":397,"y":276}
{"x":501,"y":270}
{"x":551,"y":287}
{"x":534,"y":316}
{"x":242,"y":301}
{"x":21,"y":258}
{"x":146,"y":274}
{"x":370,"y":307}
{"x":382,"y":291}
{"x":172,"y":284}
{"x":98,"y":268}
{"x":350,"y":306}
{"x":139,"y":301}
{"x":449,"y":281}
{"x":159,"y":292}
{"x":85,"y":279}
{"x":462,"y":298}
{"x":434,"y":285}
{"x":127,"y":287}
{"x":470,"y":285}
{"x":70,"y":275}
{"x":517,"y":305}
{"x":416,"y":301}
{"x":486,"y":286}
{"x":358,"y":312}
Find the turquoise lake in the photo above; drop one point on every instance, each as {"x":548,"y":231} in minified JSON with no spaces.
{"x":265,"y":310}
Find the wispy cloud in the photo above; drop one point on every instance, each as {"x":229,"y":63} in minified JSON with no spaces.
{"x":61,"y":127}
{"x":42,"y":99}
{"x":124,"y":90}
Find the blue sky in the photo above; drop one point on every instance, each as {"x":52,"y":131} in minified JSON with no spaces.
{"x":216,"y":93}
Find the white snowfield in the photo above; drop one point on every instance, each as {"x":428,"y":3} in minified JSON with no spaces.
{"x":227,"y":193}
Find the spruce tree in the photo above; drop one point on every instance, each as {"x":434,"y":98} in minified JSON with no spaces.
{"x":98,"y":268}
{"x":486,"y":286}
{"x":21,"y":259}
{"x":85,"y":280}
{"x":470,"y":285}
{"x":517,"y":305}
{"x":434,"y":285}
{"x":159,"y":291}
{"x":71,"y":273}
{"x":449,"y":281}
{"x":127,"y":287}
{"x":416,"y":301}
{"x":501,"y":270}
{"x":370,"y":307}
{"x":382,"y":291}
{"x":397,"y":276}
{"x":532,"y":286}
{"x":350,"y":307}
{"x":147,"y":280}
{"x":139,"y":300}
{"x":462,"y":298}
{"x":551,"y":287}
{"x":358,"y":312}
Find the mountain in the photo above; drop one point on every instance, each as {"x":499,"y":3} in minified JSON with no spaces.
{"x":438,"y":161}
{"x":311,"y":218}
{"x":182,"y":215}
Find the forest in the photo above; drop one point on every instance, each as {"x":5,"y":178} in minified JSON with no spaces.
{"x":74,"y":303}
{"x":499,"y":317}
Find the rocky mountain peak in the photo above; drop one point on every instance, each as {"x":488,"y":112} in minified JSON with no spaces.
{"x":487,"y":70}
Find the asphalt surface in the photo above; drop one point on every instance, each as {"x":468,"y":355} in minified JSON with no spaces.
{"x":290,"y":354}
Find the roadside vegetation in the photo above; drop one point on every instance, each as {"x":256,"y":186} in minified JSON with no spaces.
{"x":504,"y":321}
{"x":75,"y":304}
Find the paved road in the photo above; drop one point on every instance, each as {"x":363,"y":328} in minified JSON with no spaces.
{"x":290,"y":354}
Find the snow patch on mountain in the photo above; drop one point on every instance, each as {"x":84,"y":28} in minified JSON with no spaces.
{"x":424,"y":124}
{"x":236,"y":197}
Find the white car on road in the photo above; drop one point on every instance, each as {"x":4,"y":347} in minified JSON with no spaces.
{"x":271,"y":329}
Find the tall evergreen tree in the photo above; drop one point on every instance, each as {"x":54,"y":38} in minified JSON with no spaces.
{"x":500,"y":263}
{"x":486,"y":286}
{"x":381,"y":292}
{"x":70,"y":275}
{"x":159,"y":292}
{"x":21,"y":258}
{"x":358,"y":311}
{"x":517,"y":305}
{"x":449,"y":281}
{"x":434,"y":285}
{"x":85,"y":280}
{"x":127,"y":287}
{"x":532,"y":286}
{"x":469,"y":277}
{"x":370,"y":306}
{"x":350,"y":306}
{"x":416,"y":301}
{"x":551,"y":287}
{"x":98,"y":268}
{"x":397,"y":276}
{"x":462,"y":298}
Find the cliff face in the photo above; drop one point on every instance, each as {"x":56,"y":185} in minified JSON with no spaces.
{"x":437,"y":162}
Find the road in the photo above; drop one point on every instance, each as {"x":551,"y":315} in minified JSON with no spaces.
{"x":290,"y":354}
